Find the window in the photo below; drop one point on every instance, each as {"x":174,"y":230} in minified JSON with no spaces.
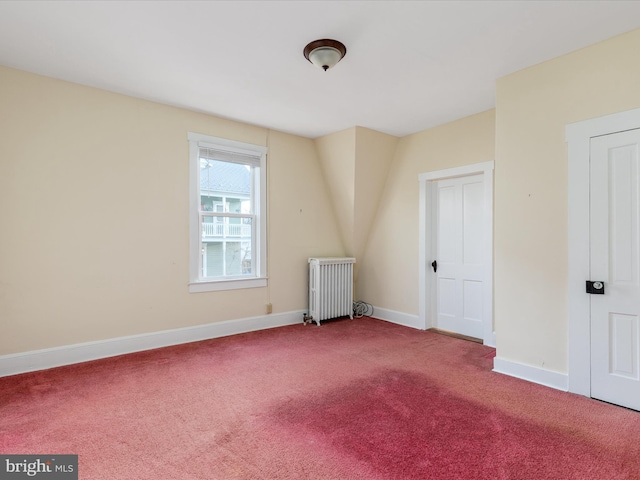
{"x":227,"y":222}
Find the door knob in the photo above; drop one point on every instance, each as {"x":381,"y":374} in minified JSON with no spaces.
{"x":434,"y":264}
{"x":595,"y":288}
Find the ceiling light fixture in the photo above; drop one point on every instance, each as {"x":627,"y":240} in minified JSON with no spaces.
{"x":325,"y":53}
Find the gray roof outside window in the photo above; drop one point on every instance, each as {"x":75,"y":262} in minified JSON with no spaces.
{"x":225,"y":177}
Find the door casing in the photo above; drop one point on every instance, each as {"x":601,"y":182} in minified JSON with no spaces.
{"x":578,"y":137}
{"x":426,"y":227}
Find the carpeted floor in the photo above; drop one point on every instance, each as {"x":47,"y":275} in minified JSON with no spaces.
{"x":353,"y":399}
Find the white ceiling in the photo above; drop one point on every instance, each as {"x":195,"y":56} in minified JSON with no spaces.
{"x":409,"y":65}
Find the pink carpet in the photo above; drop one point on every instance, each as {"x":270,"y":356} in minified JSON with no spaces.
{"x":353,"y":399}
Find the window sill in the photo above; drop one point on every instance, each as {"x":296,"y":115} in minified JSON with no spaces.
{"x":215,"y":286}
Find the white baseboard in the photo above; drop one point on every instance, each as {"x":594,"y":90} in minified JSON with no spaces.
{"x":83,"y":352}
{"x":548,"y":378}
{"x":396,"y":317}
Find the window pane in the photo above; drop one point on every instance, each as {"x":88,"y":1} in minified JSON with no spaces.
{"x":233,"y":258}
{"x":225,"y":187}
{"x":246,"y":247}
{"x":226,"y":246}
{"x":212,"y":259}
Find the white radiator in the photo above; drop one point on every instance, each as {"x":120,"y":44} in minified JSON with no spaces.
{"x":330,"y":288}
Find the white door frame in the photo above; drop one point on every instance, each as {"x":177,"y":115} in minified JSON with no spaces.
{"x":578,"y":137}
{"x":426,"y":227}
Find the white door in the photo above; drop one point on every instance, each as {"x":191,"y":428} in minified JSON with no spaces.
{"x":459,"y":214}
{"x":615,"y":244}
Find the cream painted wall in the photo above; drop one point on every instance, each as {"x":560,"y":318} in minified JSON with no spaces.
{"x":337,"y":154}
{"x":389,"y":269}
{"x":302,"y":223}
{"x":94,"y":216}
{"x":374,"y":155}
{"x":533,"y":106}
{"x":355,"y":163}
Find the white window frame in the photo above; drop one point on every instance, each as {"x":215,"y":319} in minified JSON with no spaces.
{"x":198,"y":284}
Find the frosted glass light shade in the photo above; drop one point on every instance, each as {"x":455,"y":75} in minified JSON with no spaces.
{"x":325,"y":57}
{"x":325,"y":53}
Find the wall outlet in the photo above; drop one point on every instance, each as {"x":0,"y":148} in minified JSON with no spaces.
{"x":269,"y":308}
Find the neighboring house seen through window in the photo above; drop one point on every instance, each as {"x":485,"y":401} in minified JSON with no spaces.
{"x":228,"y":214}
